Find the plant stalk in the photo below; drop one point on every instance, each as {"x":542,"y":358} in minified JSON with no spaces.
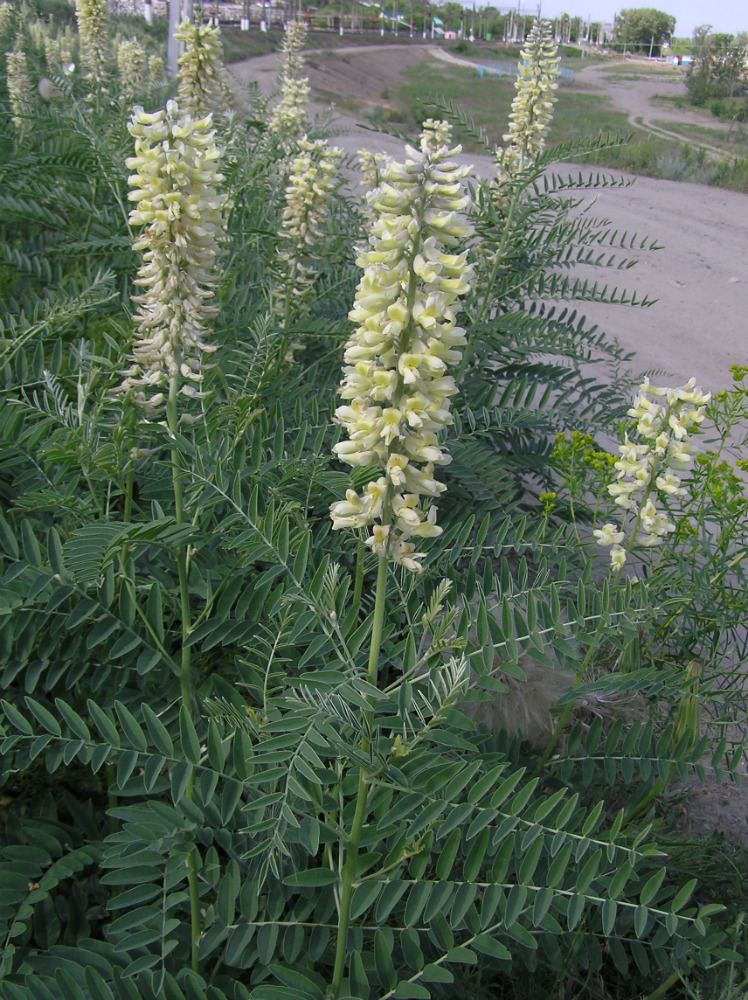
{"x":184,"y":673}
{"x":362,"y":792}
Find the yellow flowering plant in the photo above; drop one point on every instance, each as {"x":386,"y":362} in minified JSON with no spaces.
{"x":202,"y":80}
{"x":396,"y":383}
{"x":292,"y":794}
{"x":288,"y":118}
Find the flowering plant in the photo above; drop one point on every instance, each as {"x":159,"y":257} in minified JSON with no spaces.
{"x":178,"y":205}
{"x":648,"y":471}
{"x":288,"y":117}
{"x":395,"y":377}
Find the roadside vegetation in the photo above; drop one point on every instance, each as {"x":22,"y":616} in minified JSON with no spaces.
{"x":486,"y":99}
{"x":343,"y":656}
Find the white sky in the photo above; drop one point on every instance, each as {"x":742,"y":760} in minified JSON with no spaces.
{"x":723,"y":15}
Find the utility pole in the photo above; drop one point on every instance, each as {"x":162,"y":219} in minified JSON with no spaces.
{"x":178,"y":10}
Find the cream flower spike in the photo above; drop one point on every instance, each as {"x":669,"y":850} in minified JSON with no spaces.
{"x":19,"y":85}
{"x":91,"y":15}
{"x":311,"y":182}
{"x":132,"y":67}
{"x":203,"y":86}
{"x":288,"y":118}
{"x":532,"y":107}
{"x":646,"y":470}
{"x":395,"y":375}
{"x":174,"y":188}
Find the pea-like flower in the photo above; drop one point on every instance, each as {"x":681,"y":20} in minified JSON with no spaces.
{"x":288,"y":118}
{"x":647,"y":471}
{"x":395,"y":383}
{"x":91,"y":15}
{"x":202,"y":85}
{"x":312,"y":179}
{"x":532,"y":107}
{"x":178,"y":205}
{"x":609,"y":534}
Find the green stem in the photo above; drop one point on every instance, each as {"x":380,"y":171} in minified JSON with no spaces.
{"x":130,"y":475}
{"x":358,"y":583}
{"x":184,"y":673}
{"x":642,"y":804}
{"x":665,"y":987}
{"x":353,"y":841}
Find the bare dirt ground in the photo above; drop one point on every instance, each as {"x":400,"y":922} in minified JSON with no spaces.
{"x":699,"y":325}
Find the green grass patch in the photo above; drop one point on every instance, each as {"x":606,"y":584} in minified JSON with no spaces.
{"x":238,"y":44}
{"x":488,"y":101}
{"x":646,"y":74}
{"x":735,"y":142}
{"x":578,"y":114}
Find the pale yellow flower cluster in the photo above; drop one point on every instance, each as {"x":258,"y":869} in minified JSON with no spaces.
{"x":155,"y":69}
{"x":174,"y":187}
{"x":7,"y":19}
{"x":532,"y":107}
{"x":648,"y":469}
{"x":370,"y":165}
{"x":288,"y":117}
{"x":395,"y":383}
{"x":202,"y":80}
{"x":312,"y":178}
{"x":38,"y":34}
{"x":58,"y":52}
{"x":19,"y":84}
{"x":131,"y":63}
{"x":91,"y":16}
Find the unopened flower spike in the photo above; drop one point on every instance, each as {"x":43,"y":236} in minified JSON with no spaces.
{"x":648,"y":472}
{"x":7,"y":18}
{"x":175,"y":188}
{"x":19,"y":85}
{"x":395,"y":386}
{"x":131,"y":64}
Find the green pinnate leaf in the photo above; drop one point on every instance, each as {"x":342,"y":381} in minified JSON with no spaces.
{"x":44,"y":717}
{"x":103,"y":723}
{"x":130,"y":726}
{"x":158,"y":732}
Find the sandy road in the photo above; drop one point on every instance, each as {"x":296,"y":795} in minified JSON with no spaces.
{"x":698,"y":326}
